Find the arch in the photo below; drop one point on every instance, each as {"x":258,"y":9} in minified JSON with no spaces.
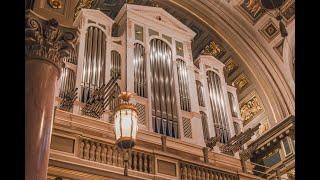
{"x":163,"y":100}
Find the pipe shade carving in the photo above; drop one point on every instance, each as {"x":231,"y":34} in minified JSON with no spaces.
{"x":164,"y":107}
{"x":139,"y":63}
{"x":183,"y":85}
{"x":200,"y":93}
{"x":93,"y":74}
{"x":218,"y":107}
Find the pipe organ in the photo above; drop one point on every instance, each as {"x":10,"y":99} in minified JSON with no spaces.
{"x":183,"y":85}
{"x":139,"y":63}
{"x":93,"y":72}
{"x":156,"y":66}
{"x":218,"y":107}
{"x":164,"y":108}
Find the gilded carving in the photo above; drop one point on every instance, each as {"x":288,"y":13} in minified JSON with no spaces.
{"x":230,"y":67}
{"x":44,"y":39}
{"x":250,"y":109}
{"x":87,"y":4}
{"x":55,"y":4}
{"x":241,"y":82}
{"x":213,"y":49}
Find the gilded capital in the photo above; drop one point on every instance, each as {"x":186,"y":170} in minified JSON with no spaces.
{"x":45,"y":39}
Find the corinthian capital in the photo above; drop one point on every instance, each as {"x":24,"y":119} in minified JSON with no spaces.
{"x":45,"y":39}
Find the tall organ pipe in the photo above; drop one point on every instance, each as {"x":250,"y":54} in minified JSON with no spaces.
{"x":204,"y":120}
{"x":200,"y":93}
{"x":183,"y":85}
{"x":115,"y":64}
{"x":67,"y":81}
{"x":93,"y":74}
{"x":140,"y":85}
{"x":164,"y":112}
{"x":218,"y":106}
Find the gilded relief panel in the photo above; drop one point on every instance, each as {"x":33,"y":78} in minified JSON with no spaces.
{"x":252,"y":9}
{"x":214,"y":50}
{"x":241,"y":82}
{"x":230,"y":67}
{"x":250,"y":108}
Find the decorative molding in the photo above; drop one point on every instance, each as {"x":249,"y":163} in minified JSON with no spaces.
{"x":45,"y":39}
{"x":279,"y":48}
{"x":269,"y":30}
{"x":289,"y":12}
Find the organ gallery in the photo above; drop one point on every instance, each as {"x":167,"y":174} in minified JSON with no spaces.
{"x":156,"y":89}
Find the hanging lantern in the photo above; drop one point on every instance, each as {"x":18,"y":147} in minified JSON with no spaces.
{"x":125,"y":122}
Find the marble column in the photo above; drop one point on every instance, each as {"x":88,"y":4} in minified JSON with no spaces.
{"x":46,"y":45}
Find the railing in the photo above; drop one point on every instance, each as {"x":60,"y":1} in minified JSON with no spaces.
{"x":110,"y":154}
{"x":194,"y":172}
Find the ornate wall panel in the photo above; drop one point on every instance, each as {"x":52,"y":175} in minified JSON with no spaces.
{"x":230,"y":67}
{"x":289,"y":12}
{"x":241,"y":82}
{"x":252,"y":10}
{"x":250,"y":108}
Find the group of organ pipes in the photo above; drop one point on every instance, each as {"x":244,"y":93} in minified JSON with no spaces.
{"x":158,"y":75}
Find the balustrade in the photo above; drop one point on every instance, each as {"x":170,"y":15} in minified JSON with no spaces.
{"x":196,"y":172}
{"x":111,"y":155}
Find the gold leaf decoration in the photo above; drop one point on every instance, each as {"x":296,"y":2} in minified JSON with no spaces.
{"x":241,"y":82}
{"x":87,"y":4}
{"x":213,"y":49}
{"x":55,"y":4}
{"x":250,"y":109}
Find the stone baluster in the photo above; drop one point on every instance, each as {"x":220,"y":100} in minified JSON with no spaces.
{"x":198,"y":173}
{"x":194,"y":173}
{"x":120,"y":158}
{"x":114,"y":156}
{"x":189,"y":169}
{"x":81,"y":148}
{"x":134,"y":160}
{"x":211,"y":175}
{"x":140,"y":162}
{"x":46,"y":45}
{"x":130,"y":160}
{"x":151,"y":165}
{"x":183,"y":172}
{"x":109,"y":155}
{"x":98,"y":152}
{"x":203,"y":174}
{"x":104,"y":154}
{"x":145,"y":163}
{"x":207,"y":174}
{"x":92,"y":151}
{"x":86,"y":149}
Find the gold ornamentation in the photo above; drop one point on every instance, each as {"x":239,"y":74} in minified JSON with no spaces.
{"x":230,"y":67}
{"x":213,"y":49}
{"x":46,"y":40}
{"x":291,"y":174}
{"x":241,"y":82}
{"x":252,"y":9}
{"x":55,"y":4}
{"x":264,"y":127}
{"x":250,"y":109}
{"x":87,"y":4}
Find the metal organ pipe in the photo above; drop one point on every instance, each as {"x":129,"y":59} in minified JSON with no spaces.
{"x":218,"y":106}
{"x":93,"y":74}
{"x":164,"y":112}
{"x":204,"y":120}
{"x":115,"y":64}
{"x":183,"y":85}
{"x":67,"y":82}
{"x":139,"y":62}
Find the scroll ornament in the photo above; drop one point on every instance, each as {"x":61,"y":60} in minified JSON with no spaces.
{"x":44,"y":39}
